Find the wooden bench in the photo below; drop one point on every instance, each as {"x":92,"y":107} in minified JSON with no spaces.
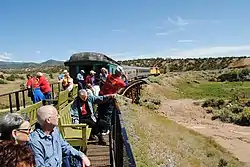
{"x":61,"y":101}
{"x":74,"y":134}
{"x":31,"y":111}
{"x":73,"y":93}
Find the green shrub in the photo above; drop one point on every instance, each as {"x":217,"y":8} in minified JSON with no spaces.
{"x":244,"y":117}
{"x":11,"y":78}
{"x":51,"y":76}
{"x":2,"y":81}
{"x":154,"y":79}
{"x":214,"y":103}
{"x":22,"y":86}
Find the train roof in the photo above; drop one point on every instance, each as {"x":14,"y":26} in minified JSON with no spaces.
{"x":134,"y":67}
{"x":90,"y":57}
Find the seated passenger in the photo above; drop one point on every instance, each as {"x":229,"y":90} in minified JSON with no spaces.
{"x":47,"y":143}
{"x":61,"y":76}
{"x":67,"y":82}
{"x":34,"y":91}
{"x":82,"y":111}
{"x":15,"y":152}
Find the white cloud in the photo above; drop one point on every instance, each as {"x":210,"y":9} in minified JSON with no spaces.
{"x":216,"y":51}
{"x":118,"y":30}
{"x":169,"y":32}
{"x":38,"y":52}
{"x":5,"y":56}
{"x":186,"y":41}
{"x":178,"y":21}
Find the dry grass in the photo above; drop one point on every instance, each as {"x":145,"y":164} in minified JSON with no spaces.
{"x":157,"y":141}
{"x":15,"y":85}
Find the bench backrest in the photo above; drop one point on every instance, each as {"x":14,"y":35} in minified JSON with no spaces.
{"x":31,"y":111}
{"x":65,"y":117}
{"x":75,"y":91}
{"x":62,"y":99}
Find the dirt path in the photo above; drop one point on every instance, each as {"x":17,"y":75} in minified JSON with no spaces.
{"x":236,"y":139}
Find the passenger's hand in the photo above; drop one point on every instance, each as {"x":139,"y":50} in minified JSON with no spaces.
{"x":85,"y":161}
{"x":113,"y":96}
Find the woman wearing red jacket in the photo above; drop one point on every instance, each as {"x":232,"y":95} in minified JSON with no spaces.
{"x":44,"y":85}
{"x":34,"y":91}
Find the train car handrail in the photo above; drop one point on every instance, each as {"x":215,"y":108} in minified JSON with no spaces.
{"x":122,"y":151}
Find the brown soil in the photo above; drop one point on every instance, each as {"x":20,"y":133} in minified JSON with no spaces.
{"x":236,"y":139}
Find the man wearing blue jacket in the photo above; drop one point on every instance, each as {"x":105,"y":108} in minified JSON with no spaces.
{"x":82,"y":111}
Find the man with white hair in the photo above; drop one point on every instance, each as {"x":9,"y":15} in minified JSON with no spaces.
{"x":44,"y":85}
{"x":82,"y":111}
{"x":47,"y":143}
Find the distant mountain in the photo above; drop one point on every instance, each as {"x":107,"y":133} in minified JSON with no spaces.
{"x":52,"y":62}
{"x":19,"y":65}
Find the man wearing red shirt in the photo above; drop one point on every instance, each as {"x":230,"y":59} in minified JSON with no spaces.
{"x":111,"y":86}
{"x":44,"y":85}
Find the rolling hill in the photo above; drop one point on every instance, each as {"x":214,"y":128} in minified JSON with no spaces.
{"x":198,"y":64}
{"x":21,"y":65}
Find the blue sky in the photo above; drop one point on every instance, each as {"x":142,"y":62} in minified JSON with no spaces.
{"x":40,"y":30}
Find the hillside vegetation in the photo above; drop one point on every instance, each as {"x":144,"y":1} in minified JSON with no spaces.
{"x":189,"y":64}
{"x":226,"y":101}
{"x":157,"y":141}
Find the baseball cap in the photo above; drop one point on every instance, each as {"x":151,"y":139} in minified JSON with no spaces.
{"x":92,"y":72}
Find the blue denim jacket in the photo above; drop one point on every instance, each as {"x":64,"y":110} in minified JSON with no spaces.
{"x":49,"y":149}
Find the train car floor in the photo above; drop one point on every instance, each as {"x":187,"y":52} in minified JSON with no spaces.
{"x":99,"y":155}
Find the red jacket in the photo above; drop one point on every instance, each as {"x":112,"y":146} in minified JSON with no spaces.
{"x":88,"y":80}
{"x":112,"y":85}
{"x":44,"y":84}
{"x":32,"y":83}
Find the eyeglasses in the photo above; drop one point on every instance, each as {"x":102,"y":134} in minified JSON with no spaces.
{"x":26,"y":131}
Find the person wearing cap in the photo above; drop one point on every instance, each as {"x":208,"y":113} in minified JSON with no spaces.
{"x":67,"y":82}
{"x":82,"y":111}
{"x":111,"y":86}
{"x":80,"y":79}
{"x":44,"y":85}
{"x":90,"y":82}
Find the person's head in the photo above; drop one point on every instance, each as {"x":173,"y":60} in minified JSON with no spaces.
{"x":66,"y":75}
{"x":104,"y":70}
{"x":92,"y":73}
{"x":82,"y":72}
{"x":83,"y":94}
{"x":119,"y":71}
{"x":15,"y":126}
{"x":47,"y":117}
{"x":29,"y":76}
{"x":39,"y":74}
{"x":64,"y":71}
